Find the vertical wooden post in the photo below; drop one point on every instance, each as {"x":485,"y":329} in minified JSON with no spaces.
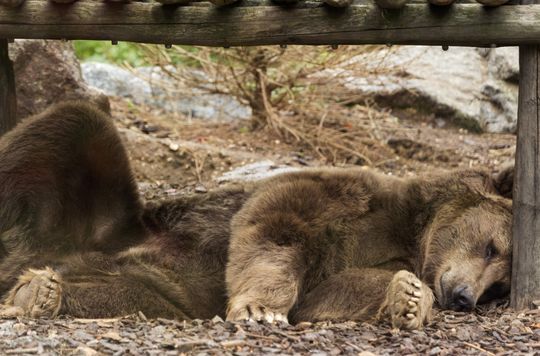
{"x":526,"y":196}
{"x":8,"y":101}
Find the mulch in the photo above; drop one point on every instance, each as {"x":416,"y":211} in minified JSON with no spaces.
{"x":165,"y":172}
{"x":493,"y":330}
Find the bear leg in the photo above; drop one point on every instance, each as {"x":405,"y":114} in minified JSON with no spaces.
{"x":264,"y":288}
{"x":353,"y":294}
{"x":80,"y":290}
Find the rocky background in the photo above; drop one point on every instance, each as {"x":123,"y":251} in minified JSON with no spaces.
{"x":47,"y":72}
{"x":472,"y":88}
{"x":435,"y":110}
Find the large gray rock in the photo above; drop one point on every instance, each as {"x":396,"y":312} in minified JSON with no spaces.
{"x":501,"y":89}
{"x":503,"y":63}
{"x":47,"y":72}
{"x":463,"y":85}
{"x":150,"y":86}
{"x":255,"y":171}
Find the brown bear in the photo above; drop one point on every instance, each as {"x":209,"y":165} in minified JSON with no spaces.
{"x":311,"y":245}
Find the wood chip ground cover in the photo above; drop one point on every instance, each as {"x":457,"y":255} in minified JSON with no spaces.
{"x":491,"y":331}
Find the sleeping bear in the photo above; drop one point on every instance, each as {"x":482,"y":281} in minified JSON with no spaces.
{"x":318,"y":244}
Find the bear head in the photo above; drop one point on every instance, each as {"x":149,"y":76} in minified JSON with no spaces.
{"x":467,"y":246}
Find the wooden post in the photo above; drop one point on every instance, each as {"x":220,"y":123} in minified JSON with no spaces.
{"x":8,"y":102}
{"x":526,"y":197}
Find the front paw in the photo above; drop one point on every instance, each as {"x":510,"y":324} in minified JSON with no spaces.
{"x":408,"y":301}
{"x":37,"y":294}
{"x":254,"y":312}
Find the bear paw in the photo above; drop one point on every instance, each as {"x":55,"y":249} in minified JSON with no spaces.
{"x":408,"y":301}
{"x":37,"y":294}
{"x":255,"y":312}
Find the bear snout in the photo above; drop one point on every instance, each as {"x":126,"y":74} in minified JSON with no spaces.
{"x":462,"y":298}
{"x":456,"y":292}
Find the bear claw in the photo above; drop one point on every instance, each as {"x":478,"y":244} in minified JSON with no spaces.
{"x":37,"y":294}
{"x":256,"y":313}
{"x":408,"y":301}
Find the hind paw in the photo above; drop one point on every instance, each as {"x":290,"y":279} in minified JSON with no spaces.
{"x":408,"y":301}
{"x":255,"y":312}
{"x":38,"y":294}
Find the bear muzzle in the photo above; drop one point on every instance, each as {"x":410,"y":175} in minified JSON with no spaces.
{"x":462,"y":298}
{"x":456,"y":293}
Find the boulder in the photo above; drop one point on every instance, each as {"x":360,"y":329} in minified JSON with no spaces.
{"x":47,"y":72}
{"x":152,"y":87}
{"x":255,"y":171}
{"x":468,"y":87}
{"x":503,"y":63}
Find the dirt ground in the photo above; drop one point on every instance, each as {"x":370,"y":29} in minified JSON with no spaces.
{"x":172,"y":155}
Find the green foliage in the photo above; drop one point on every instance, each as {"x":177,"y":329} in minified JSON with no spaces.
{"x":104,"y":51}
{"x":186,"y":56}
{"x":134,"y":54}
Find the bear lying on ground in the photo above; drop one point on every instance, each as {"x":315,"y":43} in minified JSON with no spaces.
{"x":306,"y":246}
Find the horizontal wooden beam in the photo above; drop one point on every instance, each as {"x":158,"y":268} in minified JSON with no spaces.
{"x":265,"y":24}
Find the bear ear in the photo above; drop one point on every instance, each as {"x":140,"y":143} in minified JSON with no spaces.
{"x":503,"y":180}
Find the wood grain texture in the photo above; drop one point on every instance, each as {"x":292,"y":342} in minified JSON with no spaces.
{"x":526,"y":195}
{"x":265,"y":24}
{"x":8,"y":102}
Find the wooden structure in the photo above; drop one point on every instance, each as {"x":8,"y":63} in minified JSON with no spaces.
{"x":260,"y":22}
{"x":254,"y":22}
{"x":8,"y":102}
{"x":526,"y":199}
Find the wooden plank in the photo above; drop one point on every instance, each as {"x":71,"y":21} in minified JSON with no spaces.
{"x":8,"y":102}
{"x":526,"y":195}
{"x":245,"y":24}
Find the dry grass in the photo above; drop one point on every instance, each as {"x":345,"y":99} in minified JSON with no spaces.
{"x":297,"y":92}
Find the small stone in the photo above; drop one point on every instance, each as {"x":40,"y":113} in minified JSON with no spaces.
{"x":232,"y":343}
{"x":142,"y":316}
{"x":174,"y":147}
{"x":85,"y":351}
{"x":147,"y":129}
{"x":310,"y":336}
{"x":200,"y":189}
{"x":303,"y":325}
{"x":19,"y":328}
{"x":217,"y":319}
{"x":366,"y":353}
{"x":112,"y":335}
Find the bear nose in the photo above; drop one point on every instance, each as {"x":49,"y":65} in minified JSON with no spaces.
{"x":462,"y":298}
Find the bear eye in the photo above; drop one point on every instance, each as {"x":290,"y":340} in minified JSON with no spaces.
{"x":491,"y":251}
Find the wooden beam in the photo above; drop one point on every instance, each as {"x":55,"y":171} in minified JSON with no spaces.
{"x":8,"y":102}
{"x":526,"y":196}
{"x":265,"y":24}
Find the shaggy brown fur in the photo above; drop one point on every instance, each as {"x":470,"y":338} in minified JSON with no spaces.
{"x":312,"y":245}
